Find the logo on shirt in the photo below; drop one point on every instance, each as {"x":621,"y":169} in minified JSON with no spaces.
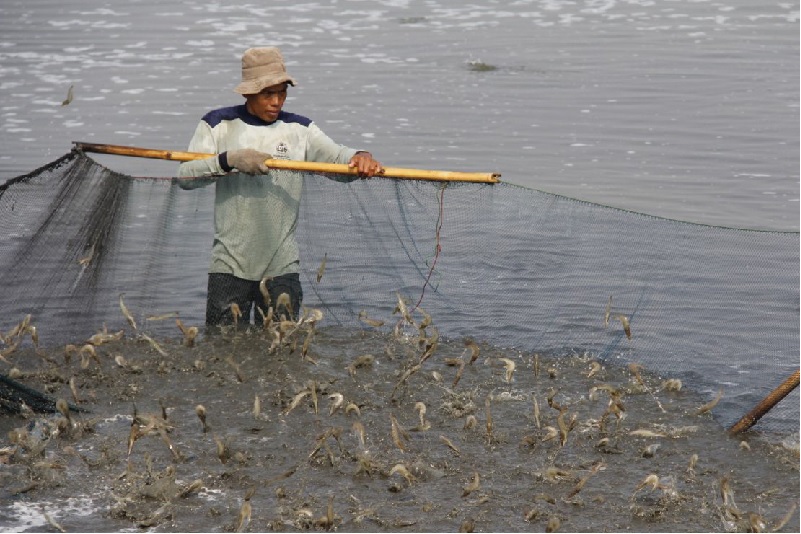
{"x":281,"y":150}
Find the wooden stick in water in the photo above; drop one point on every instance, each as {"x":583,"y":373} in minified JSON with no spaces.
{"x":336,"y":168}
{"x":749,"y":419}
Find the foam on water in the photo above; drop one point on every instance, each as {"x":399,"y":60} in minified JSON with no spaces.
{"x":29,"y":516}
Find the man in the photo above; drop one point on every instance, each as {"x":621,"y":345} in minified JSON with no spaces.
{"x":256,"y":211}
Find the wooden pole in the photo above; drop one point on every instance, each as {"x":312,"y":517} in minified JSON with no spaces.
{"x":749,"y":419}
{"x":336,"y":168}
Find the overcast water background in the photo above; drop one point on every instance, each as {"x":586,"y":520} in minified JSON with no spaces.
{"x":685,"y":109}
{"x":682,"y":109}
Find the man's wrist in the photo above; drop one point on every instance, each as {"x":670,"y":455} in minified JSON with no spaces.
{"x":223,"y":160}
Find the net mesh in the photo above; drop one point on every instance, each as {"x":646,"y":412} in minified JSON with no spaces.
{"x":717,"y":308}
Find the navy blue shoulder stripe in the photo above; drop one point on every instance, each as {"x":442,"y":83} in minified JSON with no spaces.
{"x":213,"y":118}
{"x":294,"y":118}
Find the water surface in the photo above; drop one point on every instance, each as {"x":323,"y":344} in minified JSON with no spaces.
{"x":685,"y":109}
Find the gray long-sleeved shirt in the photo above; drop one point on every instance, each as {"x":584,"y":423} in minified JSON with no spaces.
{"x":255,"y":216}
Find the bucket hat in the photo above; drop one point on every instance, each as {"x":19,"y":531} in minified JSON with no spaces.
{"x":262,"y":67}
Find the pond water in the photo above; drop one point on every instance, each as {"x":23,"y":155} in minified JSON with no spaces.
{"x":685,"y":109}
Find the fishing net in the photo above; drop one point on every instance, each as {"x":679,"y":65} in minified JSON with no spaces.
{"x":717,"y":308}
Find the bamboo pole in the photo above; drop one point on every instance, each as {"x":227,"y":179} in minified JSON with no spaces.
{"x":336,"y":168}
{"x":749,"y":419}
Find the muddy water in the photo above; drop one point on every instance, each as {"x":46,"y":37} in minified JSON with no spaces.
{"x":581,"y":464}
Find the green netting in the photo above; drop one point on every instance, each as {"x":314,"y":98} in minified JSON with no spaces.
{"x":715,"y":307}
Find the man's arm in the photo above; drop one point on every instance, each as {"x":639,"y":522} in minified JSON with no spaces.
{"x":322,"y":148}
{"x":201,"y":172}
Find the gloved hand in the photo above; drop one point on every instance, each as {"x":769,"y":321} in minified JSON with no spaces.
{"x":248,"y":160}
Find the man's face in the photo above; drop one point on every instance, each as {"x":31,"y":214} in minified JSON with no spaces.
{"x":268,"y":103}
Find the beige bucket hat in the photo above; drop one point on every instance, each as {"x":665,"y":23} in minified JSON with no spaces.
{"x":262,"y":67}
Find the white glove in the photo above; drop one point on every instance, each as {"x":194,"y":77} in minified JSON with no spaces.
{"x":248,"y":160}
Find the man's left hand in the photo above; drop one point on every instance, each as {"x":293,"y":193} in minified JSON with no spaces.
{"x":365,"y":165}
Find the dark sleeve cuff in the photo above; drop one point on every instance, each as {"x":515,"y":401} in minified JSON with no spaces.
{"x":223,"y":159}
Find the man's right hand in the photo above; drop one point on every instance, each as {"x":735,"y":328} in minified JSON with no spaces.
{"x":248,"y":160}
